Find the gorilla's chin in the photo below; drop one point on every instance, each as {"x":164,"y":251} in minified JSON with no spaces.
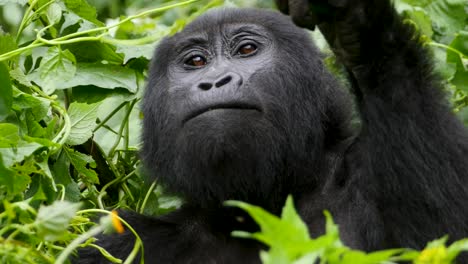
{"x":224,"y":158}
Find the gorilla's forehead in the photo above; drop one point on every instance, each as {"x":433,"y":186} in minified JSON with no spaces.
{"x":224,"y":16}
{"x":226,"y":23}
{"x":219,"y":34}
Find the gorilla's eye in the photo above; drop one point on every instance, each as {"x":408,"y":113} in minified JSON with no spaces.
{"x":247,"y":49}
{"x":196,"y":61}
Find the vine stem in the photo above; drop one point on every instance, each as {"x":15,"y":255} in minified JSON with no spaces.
{"x":67,"y":39}
{"x":435,"y":44}
{"x":122,"y":126}
{"x":77,"y":242}
{"x":148,"y":193}
{"x":25,"y":20}
{"x":138,"y":242}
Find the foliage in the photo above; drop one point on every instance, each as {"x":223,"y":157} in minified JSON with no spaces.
{"x":71,"y":78}
{"x":444,"y":25}
{"x":289,"y":242}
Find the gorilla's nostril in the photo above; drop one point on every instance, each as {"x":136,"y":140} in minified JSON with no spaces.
{"x":223,"y":81}
{"x":205,"y":86}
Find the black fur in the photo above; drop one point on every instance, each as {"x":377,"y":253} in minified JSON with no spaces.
{"x":398,"y":182}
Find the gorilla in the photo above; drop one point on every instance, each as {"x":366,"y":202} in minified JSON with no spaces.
{"x":239,"y":105}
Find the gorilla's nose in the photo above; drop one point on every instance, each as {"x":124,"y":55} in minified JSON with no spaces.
{"x":232,"y":80}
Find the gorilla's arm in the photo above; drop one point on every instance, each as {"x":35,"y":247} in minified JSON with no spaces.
{"x":414,"y":144}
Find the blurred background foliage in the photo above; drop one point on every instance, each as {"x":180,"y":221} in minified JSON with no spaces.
{"x":72,"y":73}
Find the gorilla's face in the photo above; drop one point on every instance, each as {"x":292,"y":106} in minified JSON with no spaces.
{"x":228,"y":106}
{"x":213,"y":85}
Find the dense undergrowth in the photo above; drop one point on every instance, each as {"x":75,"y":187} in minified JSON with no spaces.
{"x":71,"y":78}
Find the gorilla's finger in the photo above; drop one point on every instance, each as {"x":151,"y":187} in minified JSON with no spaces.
{"x":299,"y":10}
{"x":283,"y":6}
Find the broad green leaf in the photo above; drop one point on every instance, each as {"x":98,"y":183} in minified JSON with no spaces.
{"x":354,"y":256}
{"x":83,"y":164}
{"x":71,"y":19}
{"x":9,"y":135}
{"x":83,"y":9}
{"x":418,"y":2}
{"x":456,"y":248}
{"x":14,"y":183}
{"x":21,"y":2}
{"x":83,"y":121}
{"x":7,"y":43}
{"x":56,"y":67}
{"x":43,"y":141}
{"x":270,"y":225}
{"x":38,"y":106}
{"x":52,"y":221}
{"x":422,"y":21}
{"x":448,"y":17}
{"x":433,"y":255}
{"x":36,"y":55}
{"x":446,"y":69}
{"x":45,"y":170}
{"x":19,"y":76}
{"x":54,"y":13}
{"x":103,"y":76}
{"x":136,"y":51}
{"x":61,"y":171}
{"x":95,"y":52}
{"x":458,"y":54}
{"x":89,"y":94}
{"x":290,"y":215}
{"x":18,"y":153}
{"x":6,"y":98}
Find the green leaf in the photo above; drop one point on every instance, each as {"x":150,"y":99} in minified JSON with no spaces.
{"x":136,"y":51}
{"x":83,"y":121}
{"x":458,"y":54}
{"x":6,"y":98}
{"x":448,"y":17}
{"x":18,"y":153}
{"x":38,"y":106}
{"x":9,"y":135}
{"x":422,"y":20}
{"x":81,"y":162}
{"x":354,"y":256}
{"x":56,"y":67}
{"x":71,"y":19}
{"x":95,"y":52}
{"x":54,"y":13}
{"x":20,"y":2}
{"x":290,"y":216}
{"x":269,"y":223}
{"x":83,"y":9}
{"x":52,"y":221}
{"x":456,"y":248}
{"x":7,"y":43}
{"x":446,"y":69}
{"x":61,"y":173}
{"x":19,"y":76}
{"x":89,"y":94}
{"x":15,"y":183}
{"x":418,"y":2}
{"x":103,"y":76}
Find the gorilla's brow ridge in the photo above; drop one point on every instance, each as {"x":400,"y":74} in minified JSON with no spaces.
{"x":191,"y":41}
{"x":231,"y":31}
{"x":250,"y":29}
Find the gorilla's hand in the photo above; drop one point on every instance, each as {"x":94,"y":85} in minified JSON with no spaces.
{"x":360,"y":32}
{"x":309,"y":13}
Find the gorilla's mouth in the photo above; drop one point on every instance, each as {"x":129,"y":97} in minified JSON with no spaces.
{"x":227,"y":106}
